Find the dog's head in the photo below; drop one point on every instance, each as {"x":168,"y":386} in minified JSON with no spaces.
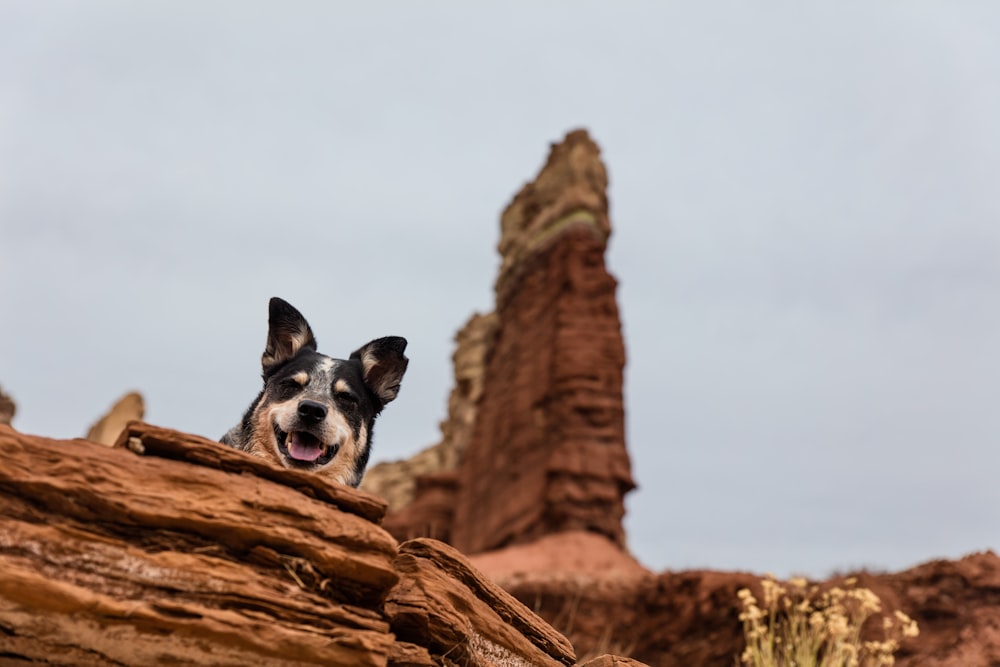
{"x":315,"y":412}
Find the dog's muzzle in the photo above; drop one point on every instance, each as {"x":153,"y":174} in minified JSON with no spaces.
{"x":303,"y":448}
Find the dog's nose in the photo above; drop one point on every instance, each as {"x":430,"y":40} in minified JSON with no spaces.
{"x":311,"y":411}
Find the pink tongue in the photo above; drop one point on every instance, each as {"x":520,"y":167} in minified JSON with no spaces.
{"x":304,"y":447}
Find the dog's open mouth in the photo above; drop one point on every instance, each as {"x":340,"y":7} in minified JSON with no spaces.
{"x":304,"y":448}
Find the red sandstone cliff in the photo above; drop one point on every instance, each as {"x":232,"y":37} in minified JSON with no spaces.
{"x":547,"y":451}
{"x":543,"y":446}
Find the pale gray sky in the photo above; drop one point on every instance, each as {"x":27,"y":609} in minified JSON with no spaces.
{"x":804,"y":198}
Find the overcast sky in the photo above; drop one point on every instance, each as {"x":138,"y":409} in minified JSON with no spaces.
{"x":805,"y":208}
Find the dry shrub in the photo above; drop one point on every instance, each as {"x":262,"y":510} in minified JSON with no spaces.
{"x":799,"y":625}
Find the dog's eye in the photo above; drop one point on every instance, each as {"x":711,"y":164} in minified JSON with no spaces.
{"x":346,"y":396}
{"x":290,"y":384}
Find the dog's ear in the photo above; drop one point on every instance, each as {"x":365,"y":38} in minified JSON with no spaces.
{"x":287,"y":333}
{"x":383,"y":365}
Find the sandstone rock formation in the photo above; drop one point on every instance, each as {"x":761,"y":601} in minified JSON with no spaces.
{"x":547,"y":452}
{"x":544,"y":419}
{"x":170,"y":548}
{"x":113,"y":558}
{"x":106,"y":430}
{"x":7,"y":408}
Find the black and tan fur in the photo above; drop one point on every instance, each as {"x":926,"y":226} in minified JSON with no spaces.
{"x":315,"y":412}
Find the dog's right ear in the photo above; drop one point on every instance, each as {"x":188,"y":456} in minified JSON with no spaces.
{"x":382,"y":365}
{"x":287,"y":333}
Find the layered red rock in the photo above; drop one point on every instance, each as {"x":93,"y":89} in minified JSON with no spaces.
{"x":173,"y":549}
{"x":469,"y":618}
{"x":547,"y":450}
{"x":113,"y":558}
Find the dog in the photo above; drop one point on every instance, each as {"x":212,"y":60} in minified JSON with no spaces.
{"x":317,"y":413}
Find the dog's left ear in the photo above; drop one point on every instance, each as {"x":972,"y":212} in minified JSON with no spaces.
{"x":383,"y":365}
{"x":287,"y":333}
